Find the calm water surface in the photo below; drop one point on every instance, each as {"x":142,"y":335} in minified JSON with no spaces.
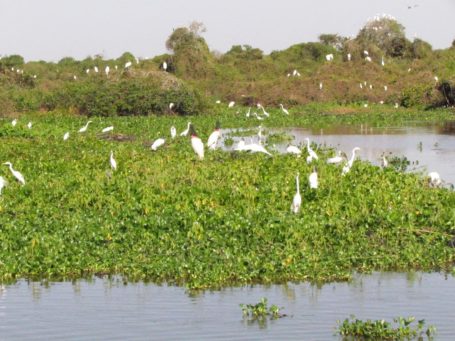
{"x":108,"y":309}
{"x":430,"y":146}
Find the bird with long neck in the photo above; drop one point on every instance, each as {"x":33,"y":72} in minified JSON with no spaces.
{"x":311,"y":153}
{"x":214,"y":136}
{"x":84,"y":128}
{"x":283,"y":109}
{"x":297,"y":200}
{"x":3,"y":183}
{"x":16,"y":173}
{"x":313,"y":179}
{"x":348,"y":165}
{"x":196,"y":143}
{"x":112,"y":161}
{"x":185,"y":132}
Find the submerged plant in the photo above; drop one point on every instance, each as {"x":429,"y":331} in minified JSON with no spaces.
{"x":401,"y":329}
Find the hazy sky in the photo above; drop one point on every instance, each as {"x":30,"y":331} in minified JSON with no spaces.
{"x":52,"y":29}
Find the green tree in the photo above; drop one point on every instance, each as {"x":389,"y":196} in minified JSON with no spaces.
{"x":334,"y":40}
{"x":421,"y":49}
{"x":12,"y":61}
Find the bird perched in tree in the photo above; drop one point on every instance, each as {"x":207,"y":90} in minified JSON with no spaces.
{"x":16,"y":173}
{"x":214,"y":136}
{"x":196,"y":143}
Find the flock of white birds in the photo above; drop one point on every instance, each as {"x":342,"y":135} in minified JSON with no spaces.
{"x":253,"y":147}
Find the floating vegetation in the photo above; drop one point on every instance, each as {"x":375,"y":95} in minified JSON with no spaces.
{"x":164,"y":217}
{"x":260,"y":311}
{"x":401,"y":329}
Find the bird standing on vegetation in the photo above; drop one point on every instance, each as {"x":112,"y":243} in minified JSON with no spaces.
{"x":320,"y":86}
{"x":283,"y":109}
{"x":384,"y":162}
{"x":95,"y":68}
{"x":16,"y":173}
{"x":66,"y":136}
{"x":349,"y":57}
{"x":173,"y":132}
{"x":297,"y":201}
{"x":3,"y":183}
{"x":231,"y":104}
{"x":329,"y":57}
{"x":112,"y":161}
{"x":107,"y":129}
{"x":434,"y":179}
{"x":293,"y":150}
{"x":14,"y":122}
{"x":348,"y":165}
{"x":128,"y":64}
{"x":263,"y":110}
{"x":164,"y":65}
{"x":185,"y":132}
{"x":106,"y":70}
{"x":84,"y":128}
{"x":214,"y":136}
{"x":255,"y":148}
{"x":157,"y":143}
{"x":29,"y":125}
{"x":196,"y":143}
{"x":313,"y":179}
{"x":311,"y":153}
{"x":336,"y":159}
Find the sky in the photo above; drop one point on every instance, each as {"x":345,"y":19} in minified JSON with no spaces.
{"x":52,"y":29}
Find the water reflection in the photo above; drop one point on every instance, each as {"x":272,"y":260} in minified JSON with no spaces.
{"x":108,"y":309}
{"x":428,"y":147}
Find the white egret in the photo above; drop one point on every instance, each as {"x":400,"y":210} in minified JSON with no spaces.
{"x":329,"y":57}
{"x":336,"y":159}
{"x":116,"y":67}
{"x":218,"y":101}
{"x":283,"y":109}
{"x":231,"y":104}
{"x":349,"y":57}
{"x":258,"y":117}
{"x":368,"y":58}
{"x":107,"y":129}
{"x":259,"y":105}
{"x":436,"y":78}
{"x":382,"y":61}
{"x":297,"y":200}
{"x":409,"y":70}
{"x":293,"y":150}
{"x":386,"y":88}
{"x":384,"y":162}
{"x":185,"y":132}
{"x":84,"y":128}
{"x":171,"y":105}
{"x":240,"y":146}
{"x":396,"y":105}
{"x":128,"y":64}
{"x":137,"y":60}
{"x":348,"y":165}
{"x":248,"y":112}
{"x":434,"y":179}
{"x":157,"y":143}
{"x":320,"y":86}
{"x":365,"y":52}
{"x":29,"y":125}
{"x":313,"y":179}
{"x":173,"y":132}
{"x":196,"y":143}
{"x":14,"y":122}
{"x":106,"y":70}
{"x":214,"y":136}
{"x":255,"y":148}
{"x":74,"y":77}
{"x":95,"y":68}
{"x":3,"y":183}
{"x":164,"y":65}
{"x":87,"y":71}
{"x":361,"y":86}
{"x":16,"y":173}
{"x":311,"y":153}
{"x":365,"y":105}
{"x":371,"y":86}
{"x":112,"y":161}
{"x":66,"y":136}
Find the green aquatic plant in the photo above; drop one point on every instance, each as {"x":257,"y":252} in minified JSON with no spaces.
{"x":401,"y":329}
{"x":261,"y":310}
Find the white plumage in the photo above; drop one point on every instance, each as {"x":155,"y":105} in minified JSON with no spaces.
{"x":112,"y":161}
{"x":3,"y":183}
{"x":84,"y":128}
{"x":185,"y":132}
{"x":311,"y":153}
{"x":14,"y":122}
{"x":297,"y":200}
{"x":197,"y":144}
{"x":336,"y":159}
{"x":16,"y":173}
{"x":157,"y":143}
{"x":293,"y":150}
{"x":313,"y":179}
{"x":283,"y":109}
{"x":231,"y":104}
{"x":107,"y":129}
{"x":435,"y":179}
{"x":29,"y":125}
{"x":128,"y":64}
{"x":348,"y":165}
{"x":173,"y":132}
{"x":214,"y":136}
{"x":66,"y":136}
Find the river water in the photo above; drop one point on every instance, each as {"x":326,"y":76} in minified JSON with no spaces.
{"x":429,"y":147}
{"x":108,"y":309}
